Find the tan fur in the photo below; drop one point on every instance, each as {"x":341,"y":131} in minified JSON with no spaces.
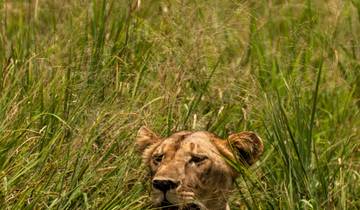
{"x":190,"y":168}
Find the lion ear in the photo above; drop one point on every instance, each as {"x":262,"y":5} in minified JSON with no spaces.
{"x":145,"y":137}
{"x":247,"y":145}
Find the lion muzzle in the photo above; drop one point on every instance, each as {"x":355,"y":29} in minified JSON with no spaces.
{"x":165,"y":184}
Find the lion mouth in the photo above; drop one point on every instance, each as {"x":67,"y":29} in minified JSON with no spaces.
{"x":166,"y":205}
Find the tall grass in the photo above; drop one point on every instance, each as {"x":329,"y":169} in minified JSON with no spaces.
{"x":78,"y":78}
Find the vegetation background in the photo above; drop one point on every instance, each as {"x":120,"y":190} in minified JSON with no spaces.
{"x":78,"y":78}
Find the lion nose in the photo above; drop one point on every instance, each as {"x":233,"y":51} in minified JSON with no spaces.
{"x":165,"y":184}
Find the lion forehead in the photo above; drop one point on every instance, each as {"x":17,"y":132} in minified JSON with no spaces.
{"x":187,"y":143}
{"x":200,"y":142}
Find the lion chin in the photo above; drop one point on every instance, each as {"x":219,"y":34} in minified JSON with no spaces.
{"x":188,"y":169}
{"x":166,"y":205}
{"x":172,"y":201}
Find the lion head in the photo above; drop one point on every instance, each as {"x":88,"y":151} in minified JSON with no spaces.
{"x":189,"y":170}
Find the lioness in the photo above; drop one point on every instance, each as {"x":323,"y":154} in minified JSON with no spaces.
{"x":189,"y":169}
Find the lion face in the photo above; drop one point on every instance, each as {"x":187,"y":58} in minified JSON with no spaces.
{"x":188,"y":169}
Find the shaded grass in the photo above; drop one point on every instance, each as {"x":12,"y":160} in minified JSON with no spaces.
{"x":79,"y":78}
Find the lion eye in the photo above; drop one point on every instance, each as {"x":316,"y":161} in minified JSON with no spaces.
{"x":158,"y":158}
{"x":197,"y":159}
